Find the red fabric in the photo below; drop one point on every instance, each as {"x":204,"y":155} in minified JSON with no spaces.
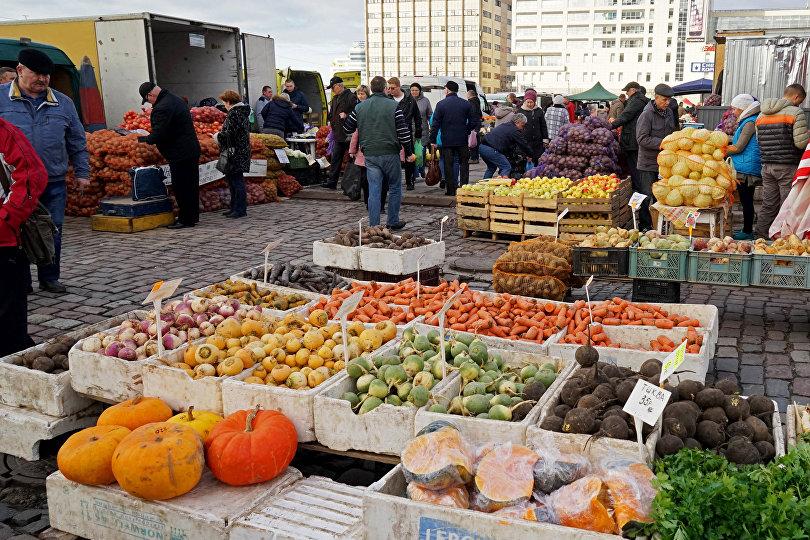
{"x":803,"y":172}
{"x":572,"y":111}
{"x":28,"y":181}
{"x":92,"y":107}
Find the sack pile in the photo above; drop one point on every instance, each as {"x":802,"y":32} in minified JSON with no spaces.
{"x":539,"y":268}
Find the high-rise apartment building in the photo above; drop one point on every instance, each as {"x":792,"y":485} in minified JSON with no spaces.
{"x":568,"y":45}
{"x":470,"y":39}
{"x":355,"y":61}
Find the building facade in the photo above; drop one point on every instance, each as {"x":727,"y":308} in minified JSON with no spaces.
{"x":567,"y":46}
{"x":356,"y":61}
{"x":470,"y":39}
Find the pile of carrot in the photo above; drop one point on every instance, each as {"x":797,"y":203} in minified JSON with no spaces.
{"x":693,"y":343}
{"x":662,"y":343}
{"x":619,"y":312}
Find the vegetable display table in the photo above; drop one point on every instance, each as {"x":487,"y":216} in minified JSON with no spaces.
{"x":305,"y":145}
{"x":715,"y":218}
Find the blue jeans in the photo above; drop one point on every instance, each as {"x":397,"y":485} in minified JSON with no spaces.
{"x":420,"y":170}
{"x":54,"y":198}
{"x":494,"y":160}
{"x":379,"y":170}
{"x":236,"y":185}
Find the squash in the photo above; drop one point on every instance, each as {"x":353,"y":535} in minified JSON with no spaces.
{"x":250,"y":447}
{"x":504,"y":477}
{"x":159,"y":461}
{"x":454,"y":497}
{"x":86,"y":457}
{"x":202,"y":422}
{"x":631,"y":493}
{"x":437,"y":460}
{"x":584,"y":504}
{"x":135,"y":413}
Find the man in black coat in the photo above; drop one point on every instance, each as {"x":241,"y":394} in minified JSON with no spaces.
{"x":343,"y":102}
{"x":454,"y":117}
{"x":627,"y":121}
{"x":410,"y":111}
{"x":173,"y":134}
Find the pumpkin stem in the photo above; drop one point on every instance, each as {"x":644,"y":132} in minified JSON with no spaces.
{"x":190,"y":415}
{"x":250,"y":418}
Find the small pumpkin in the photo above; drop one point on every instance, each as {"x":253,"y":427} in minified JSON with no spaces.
{"x":136,"y":412}
{"x":250,"y":447}
{"x":200,"y":421}
{"x":159,"y":461}
{"x":86,"y":457}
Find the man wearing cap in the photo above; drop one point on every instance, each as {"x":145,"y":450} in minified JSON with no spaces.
{"x":49,"y":120}
{"x":636,"y":101}
{"x":342,"y":105}
{"x":454,"y":117}
{"x":654,"y":123}
{"x":173,"y":134}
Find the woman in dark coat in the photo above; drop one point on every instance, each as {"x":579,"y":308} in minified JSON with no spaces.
{"x":536,"y":130}
{"x":475,"y":101}
{"x":280,"y":118}
{"x":234,"y":141}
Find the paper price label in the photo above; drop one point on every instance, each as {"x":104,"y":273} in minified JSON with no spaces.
{"x":447,"y":305}
{"x":272,"y":245}
{"x":349,"y":305}
{"x":673,"y":361}
{"x":647,"y":402}
{"x":636,"y":200}
{"x":691,"y":219}
{"x":562,"y":215}
{"x":282,"y":156}
{"x":162,"y":290}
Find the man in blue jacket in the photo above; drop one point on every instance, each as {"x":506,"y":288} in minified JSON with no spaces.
{"x":49,"y":120}
{"x":454,"y":117}
{"x":297,"y":98}
{"x":501,"y":142}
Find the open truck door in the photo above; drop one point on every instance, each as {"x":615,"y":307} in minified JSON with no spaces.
{"x":259,"y":59}
{"x":311,"y":84}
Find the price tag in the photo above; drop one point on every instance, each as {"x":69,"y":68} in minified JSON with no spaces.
{"x":441,"y":226}
{"x":672,"y":362}
{"x":588,"y":297}
{"x":160,"y":291}
{"x":647,"y":402}
{"x":442,"y":312}
{"x":557,"y":225}
{"x":635,"y":202}
{"x":271,"y":246}
{"x":691,"y":219}
{"x":348,"y":305}
{"x":323,"y":163}
{"x":360,"y":232}
{"x":282,"y":156}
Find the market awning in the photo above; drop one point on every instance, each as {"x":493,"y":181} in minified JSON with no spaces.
{"x":700,"y":86}
{"x":597,"y":93}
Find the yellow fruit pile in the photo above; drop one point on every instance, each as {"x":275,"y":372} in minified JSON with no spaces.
{"x":692,"y":169}
{"x":790,"y":245}
{"x":294,"y":351}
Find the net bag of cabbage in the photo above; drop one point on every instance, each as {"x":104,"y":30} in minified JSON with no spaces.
{"x":528,"y":285}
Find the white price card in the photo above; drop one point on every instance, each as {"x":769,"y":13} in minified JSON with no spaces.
{"x":647,"y":402}
{"x":673,"y":361}
{"x":282,"y":156}
{"x":266,"y":251}
{"x":441,"y":227}
{"x":588,"y":297}
{"x":557,"y":225}
{"x":162,"y":290}
{"x":349,"y":305}
{"x":441,"y":313}
{"x":636,"y":200}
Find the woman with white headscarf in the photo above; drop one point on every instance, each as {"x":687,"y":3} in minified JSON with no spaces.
{"x":744,"y":152}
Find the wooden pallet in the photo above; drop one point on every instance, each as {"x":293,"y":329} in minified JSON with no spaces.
{"x":101,"y":222}
{"x":472,"y":204}
{"x":470,"y":224}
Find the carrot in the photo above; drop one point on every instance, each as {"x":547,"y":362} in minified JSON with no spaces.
{"x":694,"y":349}
{"x":611,"y":322}
{"x":499,"y":331}
{"x":664,"y":340}
{"x":531,"y":333}
{"x":458,"y":326}
{"x":362,"y":318}
{"x":691,"y":322}
{"x":648,"y":322}
{"x":664,"y":324}
{"x":518,"y":329}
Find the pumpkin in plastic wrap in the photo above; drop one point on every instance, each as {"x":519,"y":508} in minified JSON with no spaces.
{"x":681,"y":168}
{"x":159,"y":461}
{"x":584,"y":504}
{"x":631,"y":492}
{"x":136,"y":412}
{"x":702,"y":201}
{"x":86,"y":457}
{"x":438,"y":459}
{"x":504,"y":477}
{"x":667,"y":158}
{"x":454,"y":497}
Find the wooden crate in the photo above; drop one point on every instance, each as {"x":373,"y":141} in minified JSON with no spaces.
{"x":613,"y":211}
{"x":472,"y":204}
{"x":539,"y":215}
{"x":469,"y":224}
{"x":100,"y":222}
{"x":506,"y":200}
{"x":506,"y":224}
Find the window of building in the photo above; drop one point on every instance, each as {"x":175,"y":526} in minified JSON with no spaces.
{"x":632,"y":29}
{"x":621,"y":57}
{"x":666,"y":77}
{"x":632,"y":14}
{"x":610,"y":77}
{"x":669,"y":57}
{"x":669,"y":42}
{"x":578,"y":30}
{"x":583,"y":16}
{"x":497,"y":47}
{"x":486,"y":29}
{"x":640,"y":56}
{"x":531,"y":60}
{"x":649,"y":42}
{"x":437,"y":43}
{"x":497,"y":33}
{"x":552,"y":18}
{"x":647,"y":78}
{"x":631,"y":43}
{"x":553,"y":31}
{"x":497,"y":18}
{"x":484,"y":45}
{"x":671,"y":12}
{"x":649,"y":57}
{"x":551,"y":60}
{"x":669,"y":27}
{"x":486,"y":14}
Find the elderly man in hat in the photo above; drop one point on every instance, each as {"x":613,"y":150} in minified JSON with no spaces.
{"x":342,"y":105}
{"x":49,"y":120}
{"x":173,"y":134}
{"x":655,"y":122}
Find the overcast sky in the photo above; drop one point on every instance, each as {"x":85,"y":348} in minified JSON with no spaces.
{"x":308,"y":34}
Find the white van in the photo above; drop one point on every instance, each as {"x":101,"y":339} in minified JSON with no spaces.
{"x":433,"y":88}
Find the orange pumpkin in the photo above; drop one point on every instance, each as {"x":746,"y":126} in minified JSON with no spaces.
{"x":135,"y":413}
{"x":159,"y":461}
{"x":584,"y":504}
{"x":86,"y":457}
{"x":250,"y":447}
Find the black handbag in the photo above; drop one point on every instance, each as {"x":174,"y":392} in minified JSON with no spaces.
{"x":37,"y":233}
{"x":350,"y":184}
{"x":224,"y":160}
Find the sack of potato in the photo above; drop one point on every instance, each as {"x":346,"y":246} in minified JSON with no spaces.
{"x":692,"y":169}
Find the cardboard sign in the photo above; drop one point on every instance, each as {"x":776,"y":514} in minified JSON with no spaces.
{"x":673,"y":361}
{"x":691,"y":219}
{"x":348,"y":305}
{"x":647,"y":402}
{"x":258,"y":168}
{"x":162,"y":290}
{"x":442,"y":312}
{"x":588,"y":297}
{"x":441,"y":227}
{"x":282,"y":156}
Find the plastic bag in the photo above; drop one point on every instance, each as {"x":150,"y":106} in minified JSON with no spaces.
{"x":438,"y":459}
{"x":350,"y":183}
{"x":454,"y":497}
{"x":629,"y":488}
{"x":503,"y":477}
{"x":584,"y":504}
{"x":419,"y":150}
{"x":556,"y":468}
{"x":529,"y":511}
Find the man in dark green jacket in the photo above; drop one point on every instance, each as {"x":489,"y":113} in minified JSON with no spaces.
{"x":382,"y":131}
{"x":627,"y":121}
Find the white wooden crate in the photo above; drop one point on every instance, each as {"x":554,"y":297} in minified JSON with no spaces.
{"x":315,"y":508}
{"x":492,"y":341}
{"x":48,"y":393}
{"x":398,"y":262}
{"x":21,"y":430}
{"x":311,"y":297}
{"x":694,"y":366}
{"x":480,"y":431}
{"x":389,"y":515}
{"x":108,"y":513}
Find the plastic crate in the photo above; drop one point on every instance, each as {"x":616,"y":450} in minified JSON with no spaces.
{"x":298,"y":162}
{"x":719,"y":268}
{"x":781,"y":271}
{"x":604,"y":262}
{"x":662,"y":292}
{"x":659,"y":264}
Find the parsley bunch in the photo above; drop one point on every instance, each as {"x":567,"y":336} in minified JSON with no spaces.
{"x":702,"y":496}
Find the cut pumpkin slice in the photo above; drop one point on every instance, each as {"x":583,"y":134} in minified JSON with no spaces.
{"x":504,"y":477}
{"x":437,"y":460}
{"x":584,"y":504}
{"x":455,"y":497}
{"x":631,"y":492}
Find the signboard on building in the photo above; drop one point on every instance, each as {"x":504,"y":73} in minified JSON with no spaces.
{"x":696,"y":24}
{"x":702,"y":67}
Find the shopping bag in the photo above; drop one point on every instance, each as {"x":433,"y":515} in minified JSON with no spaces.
{"x":434,"y":174}
{"x":350,"y":184}
{"x":472,"y":140}
{"x":419,"y":150}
